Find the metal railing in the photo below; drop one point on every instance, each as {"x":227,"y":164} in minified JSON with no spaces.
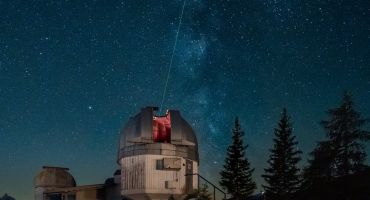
{"x":208,"y":182}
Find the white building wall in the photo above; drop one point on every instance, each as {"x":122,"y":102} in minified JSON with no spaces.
{"x":195,"y":178}
{"x":139,"y":175}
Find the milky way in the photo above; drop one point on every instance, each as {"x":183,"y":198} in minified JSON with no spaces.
{"x":73,"y":72}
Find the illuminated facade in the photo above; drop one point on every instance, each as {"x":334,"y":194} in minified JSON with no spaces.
{"x":156,"y":153}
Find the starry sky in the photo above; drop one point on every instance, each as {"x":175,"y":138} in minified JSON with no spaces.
{"x":73,"y":72}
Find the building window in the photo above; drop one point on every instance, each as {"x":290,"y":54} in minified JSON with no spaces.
{"x":168,"y":164}
{"x":159,"y":164}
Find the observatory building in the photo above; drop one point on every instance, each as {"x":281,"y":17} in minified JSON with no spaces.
{"x":157,"y":155}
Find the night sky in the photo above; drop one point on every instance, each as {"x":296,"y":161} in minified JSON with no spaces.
{"x":73,"y":72}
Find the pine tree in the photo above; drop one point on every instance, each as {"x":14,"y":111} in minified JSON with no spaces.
{"x":282,"y":176}
{"x":317,"y":177}
{"x":319,"y":168}
{"x":236,"y":177}
{"x":337,"y":162}
{"x":344,"y":130}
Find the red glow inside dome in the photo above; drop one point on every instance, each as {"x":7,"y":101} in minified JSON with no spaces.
{"x":162,"y":129}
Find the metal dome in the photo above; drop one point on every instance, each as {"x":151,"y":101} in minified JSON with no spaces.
{"x":54,"y":177}
{"x":138,"y":138}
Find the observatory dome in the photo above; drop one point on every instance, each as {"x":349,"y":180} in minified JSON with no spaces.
{"x":54,"y":177}
{"x":148,"y":133}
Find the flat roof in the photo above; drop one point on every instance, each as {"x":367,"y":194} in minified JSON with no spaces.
{"x":72,"y":189}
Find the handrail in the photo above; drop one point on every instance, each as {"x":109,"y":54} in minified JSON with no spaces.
{"x":214,"y":186}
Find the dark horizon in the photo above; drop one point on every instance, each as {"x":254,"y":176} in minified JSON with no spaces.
{"x":72,"y":73}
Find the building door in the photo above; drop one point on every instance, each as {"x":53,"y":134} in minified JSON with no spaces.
{"x":189,"y":175}
{"x":54,"y":197}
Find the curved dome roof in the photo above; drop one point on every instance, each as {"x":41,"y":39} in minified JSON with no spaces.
{"x":137,"y":136}
{"x":54,"y":177}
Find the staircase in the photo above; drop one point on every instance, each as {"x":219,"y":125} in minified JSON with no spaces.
{"x":215,"y":188}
